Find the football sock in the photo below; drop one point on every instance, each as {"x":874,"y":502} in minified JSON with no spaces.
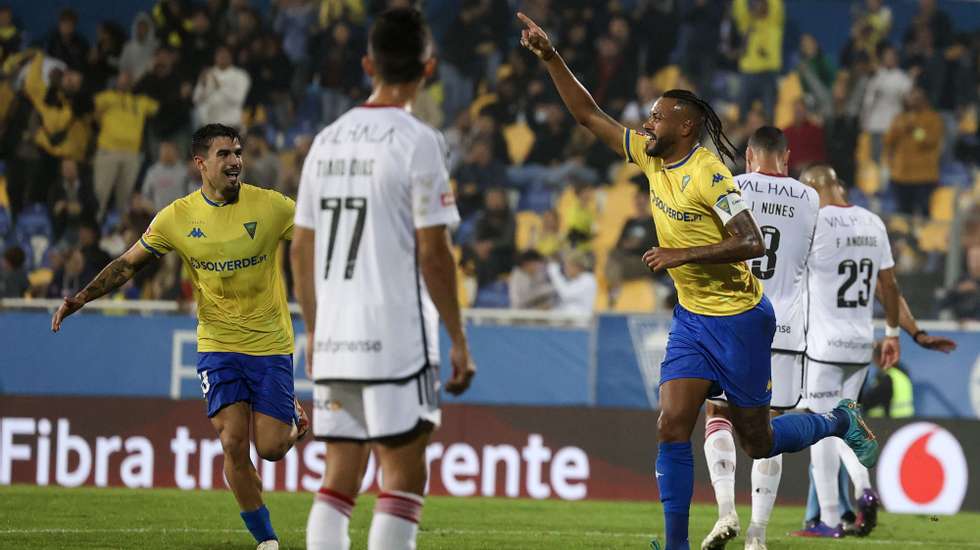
{"x":719,"y":451}
{"x":857,"y":471}
{"x":766,"y":474}
{"x":826,"y":463}
{"x":813,"y":509}
{"x":795,"y":432}
{"x":327,"y":527}
{"x":396,"y":521}
{"x":675,"y":477}
{"x":259,"y":524}
{"x":843,"y":484}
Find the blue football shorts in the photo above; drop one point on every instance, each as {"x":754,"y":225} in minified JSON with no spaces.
{"x":263,"y":381}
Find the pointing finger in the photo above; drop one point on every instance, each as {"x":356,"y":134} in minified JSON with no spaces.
{"x":526,"y":20}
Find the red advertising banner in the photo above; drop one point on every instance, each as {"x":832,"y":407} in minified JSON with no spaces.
{"x":536,"y":452}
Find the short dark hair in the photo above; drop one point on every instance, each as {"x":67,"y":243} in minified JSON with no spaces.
{"x":399,"y":44}
{"x":202,"y":138}
{"x":530,"y":255}
{"x":769,"y":139}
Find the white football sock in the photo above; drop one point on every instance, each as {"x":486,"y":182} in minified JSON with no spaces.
{"x":327,"y":527}
{"x":766,"y":473}
{"x":719,"y":451}
{"x":825,"y":456}
{"x":859,"y":474}
{"x":396,"y":521}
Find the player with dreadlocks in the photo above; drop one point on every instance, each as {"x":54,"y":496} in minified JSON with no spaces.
{"x":723,"y":327}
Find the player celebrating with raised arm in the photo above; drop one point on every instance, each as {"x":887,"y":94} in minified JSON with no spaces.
{"x":723,"y":327}
{"x":787,"y":210}
{"x":373,"y":273}
{"x":229,"y":234}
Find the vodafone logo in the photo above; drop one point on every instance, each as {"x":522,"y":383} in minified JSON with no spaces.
{"x":922,"y":470}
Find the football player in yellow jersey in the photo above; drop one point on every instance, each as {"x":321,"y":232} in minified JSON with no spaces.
{"x":722,"y":331}
{"x":229,"y":235}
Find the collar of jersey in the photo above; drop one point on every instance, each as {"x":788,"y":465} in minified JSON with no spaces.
{"x":211,"y":202}
{"x":681,"y":162}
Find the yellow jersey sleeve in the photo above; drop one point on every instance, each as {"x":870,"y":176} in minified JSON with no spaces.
{"x":717,"y":190}
{"x":158,"y":238}
{"x":285,"y":209}
{"x":635,"y":149}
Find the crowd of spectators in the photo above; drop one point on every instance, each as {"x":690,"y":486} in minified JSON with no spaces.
{"x":94,"y":137}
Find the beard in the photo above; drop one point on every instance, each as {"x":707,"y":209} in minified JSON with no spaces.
{"x":658,"y":146}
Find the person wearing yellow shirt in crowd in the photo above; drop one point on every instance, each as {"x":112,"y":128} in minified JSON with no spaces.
{"x":913,"y":146}
{"x":121,"y":115}
{"x":761,"y":24}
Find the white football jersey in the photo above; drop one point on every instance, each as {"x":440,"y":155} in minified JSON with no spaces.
{"x":849,"y":248}
{"x":786,"y":211}
{"x":370,"y":180}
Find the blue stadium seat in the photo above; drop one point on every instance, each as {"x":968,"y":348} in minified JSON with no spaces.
{"x":537,"y":198}
{"x":493,"y":295}
{"x":32,"y":221}
{"x":112,"y":221}
{"x":955,"y":173}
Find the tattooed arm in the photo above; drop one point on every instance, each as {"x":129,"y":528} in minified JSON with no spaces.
{"x":744,"y":242}
{"x":112,"y":277}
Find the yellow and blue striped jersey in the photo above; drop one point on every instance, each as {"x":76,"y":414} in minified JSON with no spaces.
{"x":683,"y":196}
{"x":232,"y":253}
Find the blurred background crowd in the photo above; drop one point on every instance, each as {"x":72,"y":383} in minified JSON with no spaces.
{"x":94,"y":130}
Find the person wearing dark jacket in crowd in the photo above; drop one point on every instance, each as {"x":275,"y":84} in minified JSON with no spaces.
{"x":66,"y":43}
{"x":71,"y":203}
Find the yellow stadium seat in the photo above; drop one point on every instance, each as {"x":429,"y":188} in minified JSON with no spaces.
{"x":636,"y":297}
{"x":942,"y":204}
{"x":528,"y":227}
{"x":790,"y":90}
{"x":863,"y":153}
{"x":868,"y":178}
{"x":667,"y":77}
{"x":566,"y":203}
{"x":617,"y":209}
{"x":934,"y":237}
{"x":520,"y":140}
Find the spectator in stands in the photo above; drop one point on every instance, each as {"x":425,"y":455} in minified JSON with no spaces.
{"x":338,"y":70}
{"x":878,"y":18}
{"x":549,"y":240}
{"x":173,"y":92}
{"x":169,"y":17}
{"x":71,"y":202}
{"x":10,"y":35}
{"x":697,"y":37}
{"x":459,"y":68}
{"x":67,"y":279}
{"x":625,"y":261}
{"x":121,"y":115}
{"x":263,"y":164}
{"x":581,"y":216}
{"x":478,"y":173}
{"x":883,"y":99}
{"x":294,"y":20}
{"x":271,"y":73}
{"x":552,"y":128}
{"x":863,"y":40}
{"x":198,"y":46}
{"x":88,"y":244}
{"x":529,"y":285}
{"x":13,"y":275}
{"x":933,"y":18}
{"x":806,"y":139}
{"x":103,"y":58}
{"x":615,"y":77}
{"x":964,"y":297}
{"x":913,"y":146}
{"x":638,"y":108}
{"x":816,"y":74}
{"x":761,"y":23}
{"x":166,"y":181}
{"x":492,"y":249}
{"x":292,"y":165}
{"x":137,"y":53}
{"x":219,"y":94}
{"x":574,"y":283}
{"x":66,"y":43}
{"x":841,"y":131}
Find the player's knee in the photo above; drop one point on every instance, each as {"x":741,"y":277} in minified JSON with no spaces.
{"x":236,"y":449}
{"x":272,"y":450}
{"x":670,"y":429}
{"x":757,"y":445}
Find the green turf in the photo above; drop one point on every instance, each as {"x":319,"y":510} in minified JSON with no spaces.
{"x":48,"y":517}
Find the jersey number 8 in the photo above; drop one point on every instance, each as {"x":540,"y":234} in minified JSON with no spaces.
{"x":770,"y":235}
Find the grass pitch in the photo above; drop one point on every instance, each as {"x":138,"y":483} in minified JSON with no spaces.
{"x":49,"y":517}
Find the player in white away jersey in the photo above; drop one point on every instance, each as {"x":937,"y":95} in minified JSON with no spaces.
{"x":850,"y":263}
{"x":371,"y":244}
{"x":786,"y":211}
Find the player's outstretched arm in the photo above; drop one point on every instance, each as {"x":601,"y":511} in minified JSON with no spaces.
{"x":744,"y":242}
{"x":890,"y":295}
{"x":908,"y":323}
{"x":577,"y":99}
{"x":439,"y":271}
{"x":112,"y":277}
{"x":301,"y":260}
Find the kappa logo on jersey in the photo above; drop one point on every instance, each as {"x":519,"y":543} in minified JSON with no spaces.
{"x":196,"y":233}
{"x":250,"y":227}
{"x":922,"y":470}
{"x":717,"y":178}
{"x":684,"y":181}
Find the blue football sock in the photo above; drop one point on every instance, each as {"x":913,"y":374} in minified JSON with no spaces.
{"x":795,"y":432}
{"x":259,"y":524}
{"x":675,"y":477}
